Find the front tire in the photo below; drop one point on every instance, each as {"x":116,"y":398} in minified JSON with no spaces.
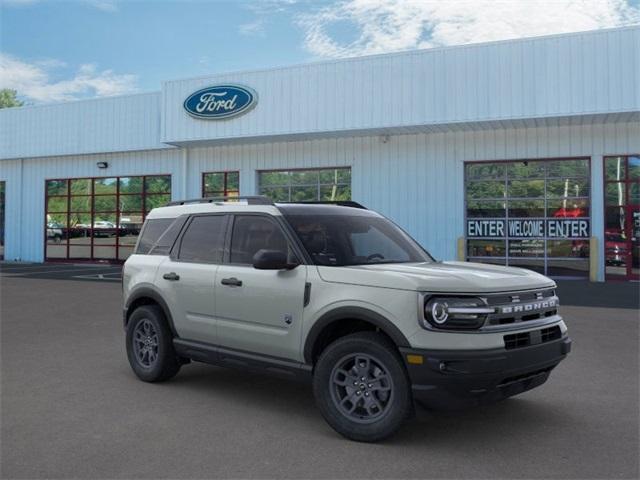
{"x":361,"y":387}
{"x":150,"y":345}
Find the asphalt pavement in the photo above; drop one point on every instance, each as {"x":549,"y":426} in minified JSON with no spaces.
{"x":71,"y":407}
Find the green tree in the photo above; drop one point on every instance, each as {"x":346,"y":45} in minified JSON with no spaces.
{"x":8,"y":98}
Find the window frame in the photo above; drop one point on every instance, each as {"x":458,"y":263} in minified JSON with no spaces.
{"x":506,"y":259}
{"x":174,"y":253}
{"x":627,"y":181}
{"x":226,"y":178}
{"x":318,"y":185}
{"x":91,"y":212}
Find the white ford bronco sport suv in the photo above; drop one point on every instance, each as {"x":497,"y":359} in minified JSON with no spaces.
{"x":340,"y":295}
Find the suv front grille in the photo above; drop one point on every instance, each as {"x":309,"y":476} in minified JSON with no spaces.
{"x":536,"y":337}
{"x":522,"y":307}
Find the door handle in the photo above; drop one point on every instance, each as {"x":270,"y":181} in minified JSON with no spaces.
{"x":173,"y":276}
{"x":231,"y":282}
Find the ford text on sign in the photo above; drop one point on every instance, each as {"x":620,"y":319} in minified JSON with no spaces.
{"x":528,"y":228}
{"x":220,"y":102}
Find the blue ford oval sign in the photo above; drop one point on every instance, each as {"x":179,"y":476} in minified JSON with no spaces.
{"x":220,"y":101}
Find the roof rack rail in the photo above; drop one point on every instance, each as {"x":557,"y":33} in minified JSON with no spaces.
{"x":340,"y":203}
{"x":251,"y":200}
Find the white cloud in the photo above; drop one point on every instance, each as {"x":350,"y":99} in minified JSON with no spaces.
{"x":104,"y":5}
{"x":34,"y":82}
{"x":252,"y":28}
{"x":390,"y":25}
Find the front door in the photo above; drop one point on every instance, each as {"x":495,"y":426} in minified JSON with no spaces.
{"x":622,"y":217}
{"x":259,"y":310}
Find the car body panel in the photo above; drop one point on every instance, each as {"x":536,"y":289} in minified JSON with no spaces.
{"x":191,"y":299}
{"x":458,"y":277}
{"x":253,"y":317}
{"x":264,"y":314}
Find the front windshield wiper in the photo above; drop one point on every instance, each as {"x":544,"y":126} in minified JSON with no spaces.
{"x":383,"y":262}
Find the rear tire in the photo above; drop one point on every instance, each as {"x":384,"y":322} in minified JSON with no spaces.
{"x":150,"y":345}
{"x":361,"y":387}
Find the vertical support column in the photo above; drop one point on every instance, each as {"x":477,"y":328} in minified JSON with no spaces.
{"x":248,"y":182}
{"x":460,"y":250}
{"x":184,"y":181}
{"x":21,"y":234}
{"x":597,"y":219}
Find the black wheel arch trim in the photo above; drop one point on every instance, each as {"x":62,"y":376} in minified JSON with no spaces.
{"x":147,"y":292}
{"x":349,"y":313}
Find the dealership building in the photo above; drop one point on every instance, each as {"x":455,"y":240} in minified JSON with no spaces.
{"x":522,"y":152}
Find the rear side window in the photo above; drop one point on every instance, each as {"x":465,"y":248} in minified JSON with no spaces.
{"x":151,"y":232}
{"x":203,"y":241}
{"x":168,"y":238}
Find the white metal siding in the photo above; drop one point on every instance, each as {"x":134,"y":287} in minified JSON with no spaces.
{"x":417,"y":179}
{"x":25,"y":189}
{"x":115,"y":124}
{"x":558,"y":76}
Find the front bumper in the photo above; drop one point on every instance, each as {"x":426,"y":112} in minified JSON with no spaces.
{"x":460,"y":378}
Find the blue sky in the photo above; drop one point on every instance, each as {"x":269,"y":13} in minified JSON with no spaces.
{"x":63,"y":50}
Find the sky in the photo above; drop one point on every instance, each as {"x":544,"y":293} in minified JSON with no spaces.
{"x":55,"y":50}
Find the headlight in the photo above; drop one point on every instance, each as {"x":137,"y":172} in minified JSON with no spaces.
{"x":457,"y":313}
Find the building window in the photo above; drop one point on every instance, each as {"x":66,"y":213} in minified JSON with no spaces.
{"x":622,"y":217}
{"x":327,"y":184}
{"x":221,"y":184}
{"x":2,"y":189}
{"x":533,"y":214}
{"x":99,"y":218}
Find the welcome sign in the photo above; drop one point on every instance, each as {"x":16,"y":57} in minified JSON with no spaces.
{"x":528,"y":228}
{"x":220,"y":102}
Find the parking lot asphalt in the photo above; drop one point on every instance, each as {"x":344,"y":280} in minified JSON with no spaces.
{"x":71,"y":407}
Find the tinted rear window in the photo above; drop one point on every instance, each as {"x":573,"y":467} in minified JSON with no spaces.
{"x":203,"y":241}
{"x":151,"y":232}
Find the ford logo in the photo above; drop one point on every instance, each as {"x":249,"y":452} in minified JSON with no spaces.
{"x":220,"y":101}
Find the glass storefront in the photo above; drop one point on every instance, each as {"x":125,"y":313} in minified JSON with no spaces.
{"x":99,"y":218}
{"x":533,"y":214}
{"x":622,"y":217}
{"x":326,"y":184}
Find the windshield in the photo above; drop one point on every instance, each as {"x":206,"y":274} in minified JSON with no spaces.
{"x":343,"y":240}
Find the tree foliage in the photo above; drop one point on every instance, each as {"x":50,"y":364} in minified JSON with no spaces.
{"x":8,"y":98}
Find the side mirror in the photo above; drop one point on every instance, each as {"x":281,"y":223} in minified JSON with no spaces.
{"x":272,"y":260}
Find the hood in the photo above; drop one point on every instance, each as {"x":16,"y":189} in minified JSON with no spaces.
{"x":446,"y":277}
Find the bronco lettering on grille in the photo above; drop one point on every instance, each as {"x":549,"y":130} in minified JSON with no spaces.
{"x":529,"y":307}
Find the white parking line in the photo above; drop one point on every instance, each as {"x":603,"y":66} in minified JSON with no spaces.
{"x":99,"y":276}
{"x":31,"y":272}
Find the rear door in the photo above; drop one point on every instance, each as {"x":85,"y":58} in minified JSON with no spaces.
{"x":259,"y":311}
{"x":187,"y":276}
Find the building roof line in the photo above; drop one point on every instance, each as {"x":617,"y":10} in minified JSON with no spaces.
{"x":399,"y":53}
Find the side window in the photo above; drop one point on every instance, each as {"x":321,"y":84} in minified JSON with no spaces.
{"x":252,"y":233}
{"x":203,"y":240}
{"x":163,"y":245}
{"x":152,"y":231}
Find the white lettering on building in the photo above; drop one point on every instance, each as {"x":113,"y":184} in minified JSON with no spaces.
{"x":209,"y":102}
{"x":485,"y":228}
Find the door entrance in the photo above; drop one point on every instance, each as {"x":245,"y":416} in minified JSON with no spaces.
{"x":99,"y":219}
{"x":622,"y":217}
